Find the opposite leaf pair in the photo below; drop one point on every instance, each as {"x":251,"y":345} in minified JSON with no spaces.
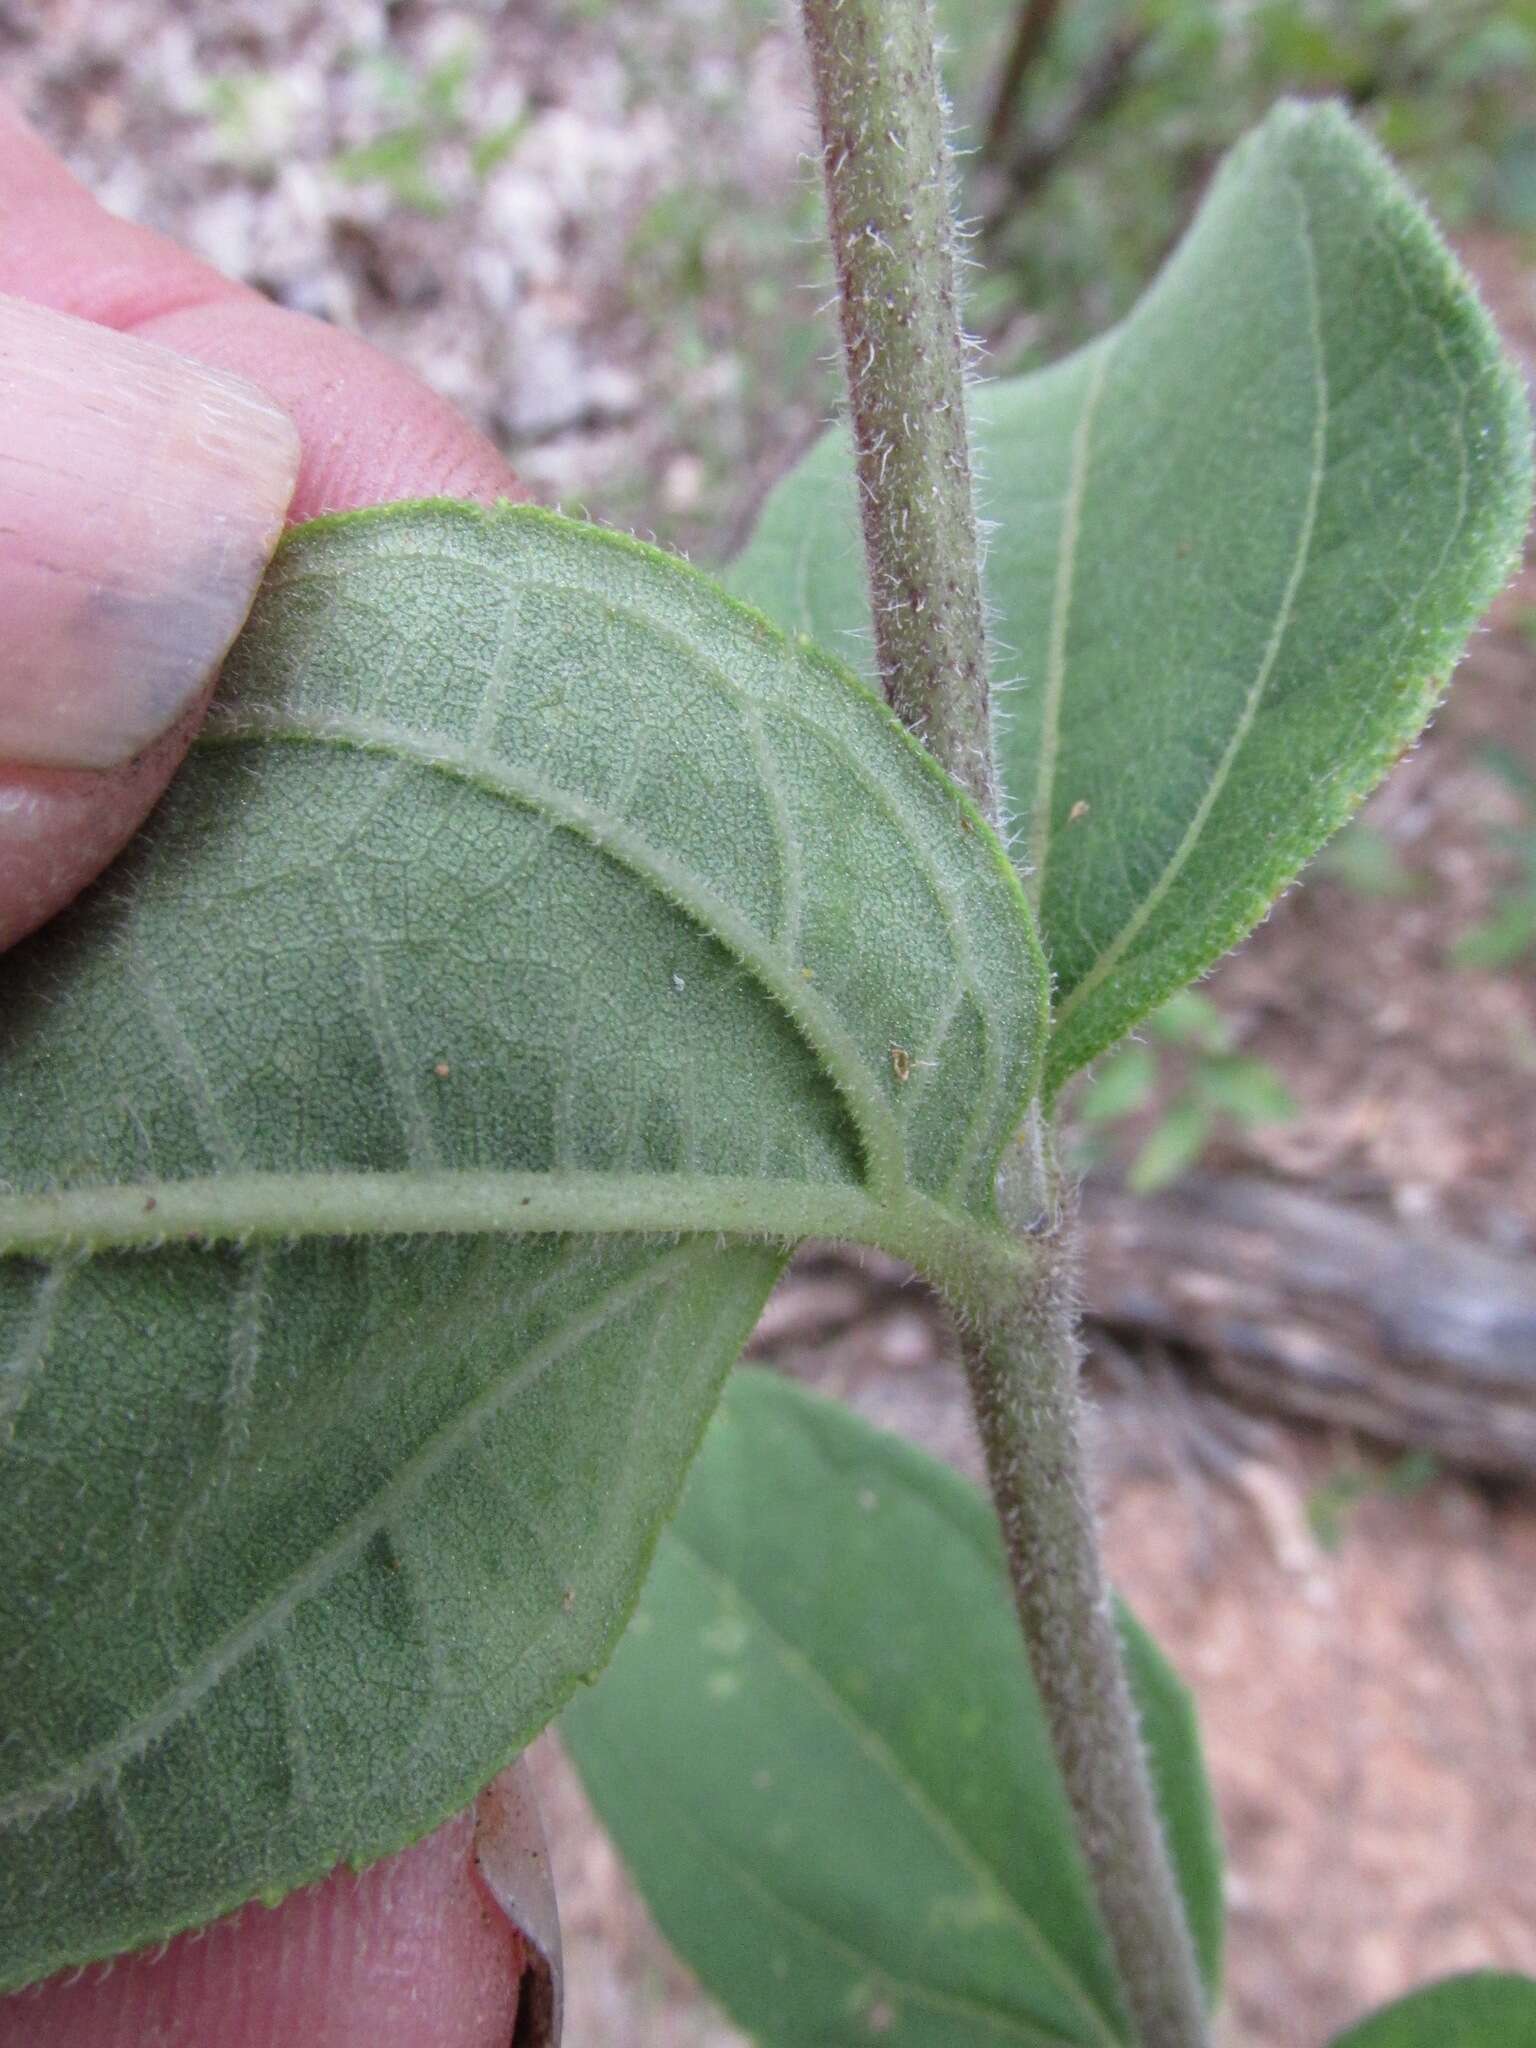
{"x":397,"y":1147}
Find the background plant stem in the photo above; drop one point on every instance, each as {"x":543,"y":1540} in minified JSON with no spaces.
{"x":893,"y":237}
{"x":888,"y":201}
{"x":1032,"y":32}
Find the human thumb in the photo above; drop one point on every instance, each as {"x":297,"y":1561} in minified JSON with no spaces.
{"x":141,"y":497}
{"x":453,"y":1943}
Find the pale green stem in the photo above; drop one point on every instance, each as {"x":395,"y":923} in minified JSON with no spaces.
{"x":893,"y":239}
{"x":888,"y":202}
{"x":1022,"y":1361}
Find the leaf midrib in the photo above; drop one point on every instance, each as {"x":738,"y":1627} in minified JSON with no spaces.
{"x":280,"y":1207}
{"x":753,"y":709}
{"x":1110,"y":958}
{"x":1041,"y":820}
{"x":891,"y":1767}
{"x":99,"y":1766}
{"x":877,"y":1128}
{"x":1026,"y":2031}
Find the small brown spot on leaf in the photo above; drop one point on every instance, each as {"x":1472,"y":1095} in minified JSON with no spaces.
{"x":901,"y":1063}
{"x":1078,"y":810}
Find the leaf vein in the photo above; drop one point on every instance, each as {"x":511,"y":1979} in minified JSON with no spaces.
{"x":243,"y":1208}
{"x":876,"y":1124}
{"x":890,"y":1767}
{"x":186,"y":1063}
{"x":1040,"y":821}
{"x":920,"y":1994}
{"x":791,"y":879}
{"x":1137,"y":923}
{"x":415,"y":1125}
{"x":19,"y":1373}
{"x":100,"y":1766}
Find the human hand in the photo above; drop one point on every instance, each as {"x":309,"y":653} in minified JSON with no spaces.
{"x":140,"y":498}
{"x":142,"y":490}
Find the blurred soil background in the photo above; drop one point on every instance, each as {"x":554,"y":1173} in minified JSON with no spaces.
{"x":593,"y":226}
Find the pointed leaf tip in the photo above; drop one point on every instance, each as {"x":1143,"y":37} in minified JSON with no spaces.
{"x":1240,"y":543}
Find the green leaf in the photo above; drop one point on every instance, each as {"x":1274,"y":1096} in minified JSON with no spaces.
{"x":1500,"y":940}
{"x":1245,"y":1088}
{"x":1121,"y":1086}
{"x":1366,"y":860}
{"x":1191,"y":1019}
{"x":1241,"y":541}
{"x":1172,"y":1147}
{"x":521,"y":886}
{"x":1484,"y":2009}
{"x":821,"y":1754}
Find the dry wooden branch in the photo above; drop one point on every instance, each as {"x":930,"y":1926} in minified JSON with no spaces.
{"x":1319,"y":1310}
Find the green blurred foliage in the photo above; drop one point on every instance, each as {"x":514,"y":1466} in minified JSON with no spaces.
{"x":1447,"y":86}
{"x":719,"y":296}
{"x":427,"y":119}
{"x":1331,"y":1504}
{"x":1506,"y":937}
{"x":1188,"y":1067}
{"x":429,"y":143}
{"x":1365,"y":860}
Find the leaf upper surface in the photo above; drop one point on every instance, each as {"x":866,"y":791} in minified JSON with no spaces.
{"x":820,"y":1751}
{"x":1483,"y":2009}
{"x":1240,"y":543}
{"x":528,"y":916}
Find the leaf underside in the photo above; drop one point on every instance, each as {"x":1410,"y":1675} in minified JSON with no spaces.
{"x":1240,"y":542}
{"x":1483,"y":2009}
{"x":520,"y":881}
{"x":836,"y":1789}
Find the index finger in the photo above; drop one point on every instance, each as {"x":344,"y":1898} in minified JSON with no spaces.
{"x":369,"y":433}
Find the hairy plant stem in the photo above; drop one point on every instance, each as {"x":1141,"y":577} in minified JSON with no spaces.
{"x":1022,"y":1358}
{"x":887,"y":177}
